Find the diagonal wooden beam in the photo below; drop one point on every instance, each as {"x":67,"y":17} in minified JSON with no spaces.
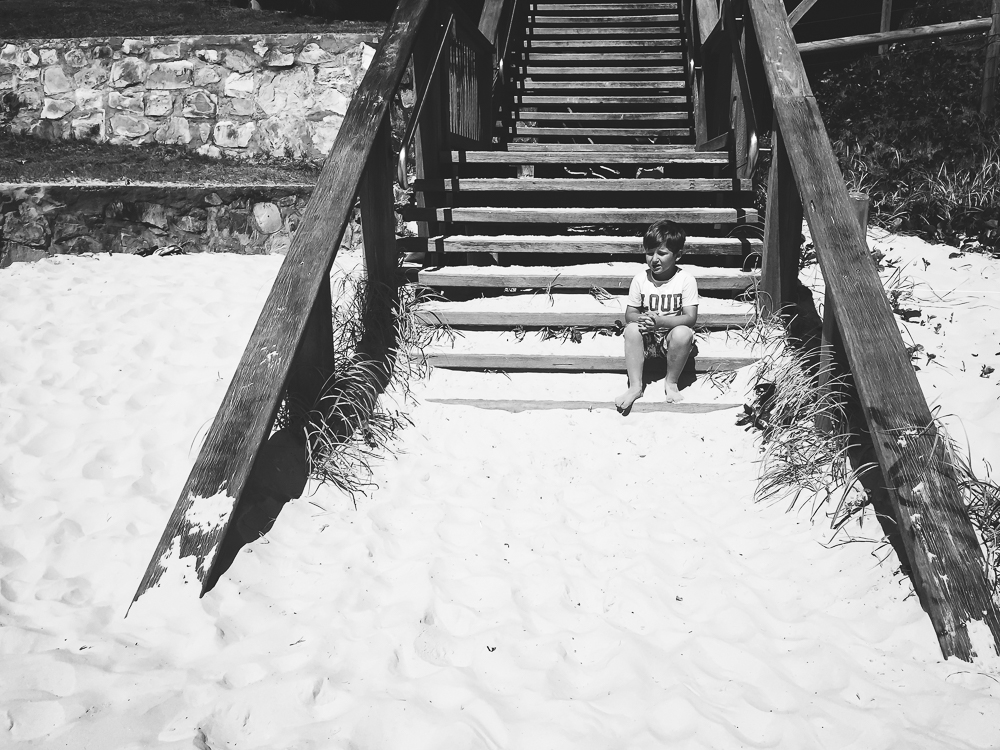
{"x":800,"y":10}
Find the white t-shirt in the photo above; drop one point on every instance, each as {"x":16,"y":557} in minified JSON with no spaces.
{"x":663,"y":297}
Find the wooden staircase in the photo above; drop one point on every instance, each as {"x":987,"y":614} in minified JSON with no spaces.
{"x":532,"y":245}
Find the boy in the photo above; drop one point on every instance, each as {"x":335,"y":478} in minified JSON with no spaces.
{"x":661,"y":313}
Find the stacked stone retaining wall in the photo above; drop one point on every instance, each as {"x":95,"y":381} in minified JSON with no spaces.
{"x":272,"y":95}
{"x":37,"y":221}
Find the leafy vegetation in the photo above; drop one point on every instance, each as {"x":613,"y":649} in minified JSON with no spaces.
{"x":907,"y":130}
{"x":53,"y":19}
{"x":27,"y":159}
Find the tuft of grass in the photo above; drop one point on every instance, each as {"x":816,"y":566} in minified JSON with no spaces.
{"x":351,"y":424}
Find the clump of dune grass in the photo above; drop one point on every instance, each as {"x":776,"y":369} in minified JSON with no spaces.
{"x":379,"y":344}
{"x":804,"y":437}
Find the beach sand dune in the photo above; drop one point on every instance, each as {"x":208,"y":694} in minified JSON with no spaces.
{"x":555,"y":579}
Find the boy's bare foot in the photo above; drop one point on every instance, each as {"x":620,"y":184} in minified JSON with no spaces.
{"x":672,"y":393}
{"x":625,"y":400}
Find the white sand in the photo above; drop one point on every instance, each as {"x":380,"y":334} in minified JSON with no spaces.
{"x":557,"y":579}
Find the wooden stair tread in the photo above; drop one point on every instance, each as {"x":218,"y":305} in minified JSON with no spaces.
{"x":642,"y":406}
{"x":587,"y":132}
{"x":616,"y":276}
{"x":561,"y":7}
{"x":603,"y":31}
{"x":501,"y":350}
{"x":531,"y":84}
{"x":530,"y":116}
{"x":581,"y":243}
{"x":576,"y":216}
{"x":475,"y":184}
{"x":536,"y":99}
{"x":602,"y":70}
{"x":609,"y":155}
{"x":534,"y":57}
{"x":540,"y":44}
{"x":539,"y":20}
{"x":559,"y":309}
{"x":637,"y":148}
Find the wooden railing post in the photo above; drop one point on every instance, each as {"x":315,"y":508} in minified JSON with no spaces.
{"x":989,"y":99}
{"x":947,"y":566}
{"x":782,"y":233}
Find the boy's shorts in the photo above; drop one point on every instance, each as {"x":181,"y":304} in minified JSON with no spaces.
{"x":654,"y":345}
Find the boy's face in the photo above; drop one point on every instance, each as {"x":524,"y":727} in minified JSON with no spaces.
{"x":661,"y":261}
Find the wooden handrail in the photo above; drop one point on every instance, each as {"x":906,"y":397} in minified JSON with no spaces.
{"x":939,"y":542}
{"x":297,"y":304}
{"x":975,"y":26}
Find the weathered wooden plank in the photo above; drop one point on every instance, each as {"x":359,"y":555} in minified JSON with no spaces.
{"x":633,"y":57}
{"x":489,"y":19}
{"x":782,"y":233}
{"x":947,"y":564}
{"x":541,"y":277}
{"x":611,"y":155}
{"x":543,"y":20}
{"x":582,"y":244}
{"x":975,"y":26}
{"x":885,"y":24}
{"x":708,"y":18}
{"x":517,"y":406}
{"x":217,"y":481}
{"x":665,"y":85}
{"x":539,"y":44}
{"x":489,"y":214}
{"x":665,"y":184}
{"x":584,"y":132}
{"x":534,"y":100}
{"x":988,"y":100}
{"x":378,"y":226}
{"x":585,"y":31}
{"x":597,"y":7}
{"x":535,"y":116}
{"x":453,"y":314}
{"x":618,"y":148}
{"x":603,"y":70}
{"x":566,"y":362}
{"x":800,"y":10}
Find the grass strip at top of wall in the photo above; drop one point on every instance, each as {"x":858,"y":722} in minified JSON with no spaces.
{"x":24,"y":159}
{"x":65,"y":19}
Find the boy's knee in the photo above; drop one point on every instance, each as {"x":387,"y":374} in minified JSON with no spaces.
{"x":682,"y":335}
{"x":632,"y":330}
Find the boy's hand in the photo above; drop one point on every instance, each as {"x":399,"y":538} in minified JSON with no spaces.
{"x":647,"y":323}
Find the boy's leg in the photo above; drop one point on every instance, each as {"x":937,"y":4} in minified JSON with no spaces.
{"x":635,"y":357}
{"x":679,"y":342}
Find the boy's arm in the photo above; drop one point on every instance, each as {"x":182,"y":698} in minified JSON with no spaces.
{"x":686,"y":316}
{"x":632,"y":314}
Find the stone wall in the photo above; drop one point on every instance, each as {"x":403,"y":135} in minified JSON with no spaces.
{"x":274,"y":95}
{"x":37,"y":221}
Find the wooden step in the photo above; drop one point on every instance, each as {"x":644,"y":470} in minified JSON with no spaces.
{"x":617,"y":7}
{"x":580,"y":244}
{"x":488,"y":350}
{"x":666,"y":184}
{"x":563,"y":44}
{"x":579,"y":216}
{"x":602,"y":70}
{"x":535,"y":100}
{"x":629,"y":148}
{"x":562,"y":310}
{"x":642,"y":406}
{"x":613,"y":276}
{"x":602,"y":31}
{"x":628,"y":57}
{"x":527,"y":131}
{"x":531,"y":115}
{"x":608,"y":155}
{"x":539,"y":20}
{"x":530,"y":84}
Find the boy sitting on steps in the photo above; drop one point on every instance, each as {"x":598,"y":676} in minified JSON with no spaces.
{"x":661,"y":313}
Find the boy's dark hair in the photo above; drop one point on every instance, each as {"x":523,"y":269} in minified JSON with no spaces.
{"x":664,"y":232}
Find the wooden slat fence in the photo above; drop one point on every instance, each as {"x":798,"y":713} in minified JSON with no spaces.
{"x":914,"y":481}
